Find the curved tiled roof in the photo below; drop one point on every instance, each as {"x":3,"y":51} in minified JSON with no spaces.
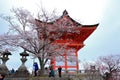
{"x":65,"y":14}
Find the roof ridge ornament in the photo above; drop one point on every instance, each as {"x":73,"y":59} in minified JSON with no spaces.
{"x":65,"y":12}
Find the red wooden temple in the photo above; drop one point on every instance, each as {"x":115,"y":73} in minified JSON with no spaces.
{"x":76,"y":41}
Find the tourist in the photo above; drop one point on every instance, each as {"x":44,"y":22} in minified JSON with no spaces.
{"x":2,"y":76}
{"x":35,"y":65}
{"x":59,"y":71}
{"x":12,"y":71}
{"x":51,"y":73}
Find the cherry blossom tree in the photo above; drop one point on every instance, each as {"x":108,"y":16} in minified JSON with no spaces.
{"x":91,"y":70}
{"x":37,"y":35}
{"x":109,"y":66}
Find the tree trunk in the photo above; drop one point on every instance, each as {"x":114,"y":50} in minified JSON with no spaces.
{"x":41,"y":70}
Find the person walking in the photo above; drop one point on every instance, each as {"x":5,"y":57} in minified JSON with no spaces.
{"x":12,"y":71}
{"x":35,"y":68}
{"x":52,"y":72}
{"x":59,"y":71}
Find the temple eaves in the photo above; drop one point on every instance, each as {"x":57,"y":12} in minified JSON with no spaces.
{"x":65,"y":14}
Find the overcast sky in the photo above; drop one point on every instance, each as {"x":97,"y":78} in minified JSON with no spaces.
{"x":104,"y":40}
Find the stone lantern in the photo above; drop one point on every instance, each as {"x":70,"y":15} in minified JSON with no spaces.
{"x":22,"y":70}
{"x":5,"y":55}
{"x":4,"y":58}
{"x":24,"y":55}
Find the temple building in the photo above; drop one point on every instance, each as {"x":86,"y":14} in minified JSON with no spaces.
{"x":76,"y":41}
